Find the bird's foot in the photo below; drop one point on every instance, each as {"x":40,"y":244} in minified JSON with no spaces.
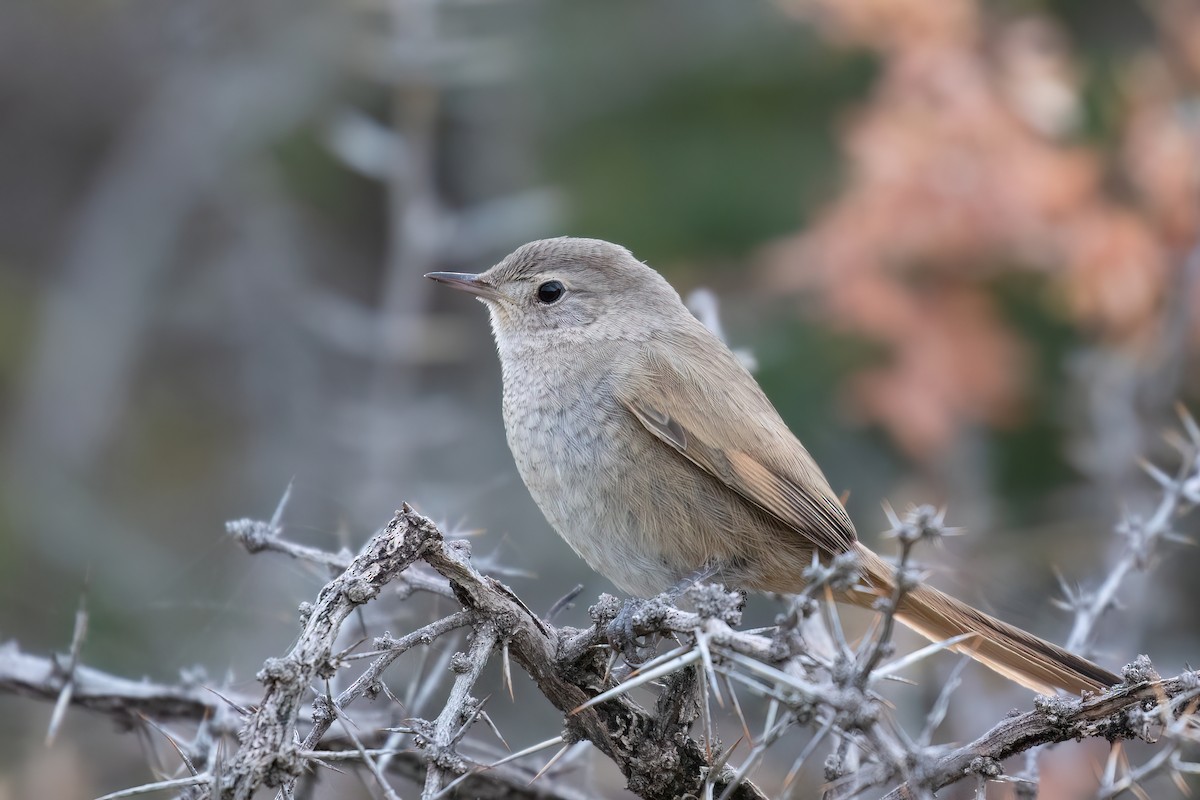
{"x":646,"y":615}
{"x":638,"y":614}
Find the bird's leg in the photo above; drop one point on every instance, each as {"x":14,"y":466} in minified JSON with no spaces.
{"x":640,"y":613}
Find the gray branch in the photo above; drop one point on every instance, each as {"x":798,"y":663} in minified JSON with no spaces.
{"x":571,"y":668}
{"x":125,"y":700}
{"x":266,"y":756}
{"x":1117,"y":714}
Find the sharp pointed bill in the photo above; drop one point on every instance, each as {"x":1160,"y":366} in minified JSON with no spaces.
{"x":466,"y":282}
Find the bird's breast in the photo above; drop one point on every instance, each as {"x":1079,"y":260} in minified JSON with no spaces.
{"x":572,"y":445}
{"x":636,"y":511}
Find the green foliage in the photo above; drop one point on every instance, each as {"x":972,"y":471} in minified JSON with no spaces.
{"x":1029,"y":464}
{"x":315,"y":177}
{"x":713,"y":163}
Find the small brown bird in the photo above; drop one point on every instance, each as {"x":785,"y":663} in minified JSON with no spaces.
{"x":654,"y":453}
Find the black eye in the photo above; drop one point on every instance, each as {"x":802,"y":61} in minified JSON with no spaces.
{"x":550,"y":291}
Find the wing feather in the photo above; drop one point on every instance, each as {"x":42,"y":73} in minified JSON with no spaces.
{"x":727,"y":427}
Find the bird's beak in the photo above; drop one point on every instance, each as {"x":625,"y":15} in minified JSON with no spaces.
{"x":467,"y":282}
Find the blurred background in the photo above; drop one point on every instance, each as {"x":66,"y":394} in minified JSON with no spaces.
{"x":958,"y":238}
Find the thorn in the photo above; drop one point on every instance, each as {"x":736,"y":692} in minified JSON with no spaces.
{"x":808,"y":750}
{"x":737,"y":707}
{"x":667,"y":668}
{"x":320,"y":762}
{"x":835,"y":622}
{"x":68,"y":689}
{"x":612,"y":662}
{"x":723,"y":758}
{"x":187,"y":762}
{"x":1160,"y":477}
{"x":1189,"y":424}
{"x":528,"y":751}
{"x":1180,"y":783}
{"x":487,"y":718}
{"x":390,"y":696}
{"x":1109,"y":776}
{"x":941,"y":706}
{"x":925,"y":652}
{"x":1172,"y":438}
{"x":245,"y":712}
{"x":777,"y":676}
{"x":146,"y":788}
{"x":706,"y":656}
{"x":549,"y":764}
{"x":1068,"y":592}
{"x":477,"y":714}
{"x":892,"y":517}
{"x":659,"y":659}
{"x":277,"y":517}
{"x":506,"y":671}
{"x":1062,"y":605}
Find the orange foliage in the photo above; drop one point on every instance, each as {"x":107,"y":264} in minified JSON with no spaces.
{"x":959,"y":168}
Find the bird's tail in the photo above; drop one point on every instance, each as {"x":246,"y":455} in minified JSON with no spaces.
{"x":1020,"y":656}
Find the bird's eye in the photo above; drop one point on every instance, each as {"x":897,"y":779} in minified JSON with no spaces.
{"x":550,"y":291}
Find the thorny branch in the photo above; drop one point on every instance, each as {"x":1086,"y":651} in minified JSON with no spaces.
{"x":808,"y":681}
{"x":264,"y":757}
{"x":1129,"y":711}
{"x":1141,"y":537}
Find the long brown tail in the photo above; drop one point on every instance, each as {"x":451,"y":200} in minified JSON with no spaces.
{"x":1017,"y":655}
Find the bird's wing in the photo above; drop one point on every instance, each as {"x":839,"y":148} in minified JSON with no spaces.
{"x":712,"y":412}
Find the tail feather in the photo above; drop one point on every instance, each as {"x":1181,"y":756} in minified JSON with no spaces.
{"x":1020,"y":656}
{"x":1016,"y":654}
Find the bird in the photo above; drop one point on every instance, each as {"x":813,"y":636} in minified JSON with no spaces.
{"x":655,"y":454}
